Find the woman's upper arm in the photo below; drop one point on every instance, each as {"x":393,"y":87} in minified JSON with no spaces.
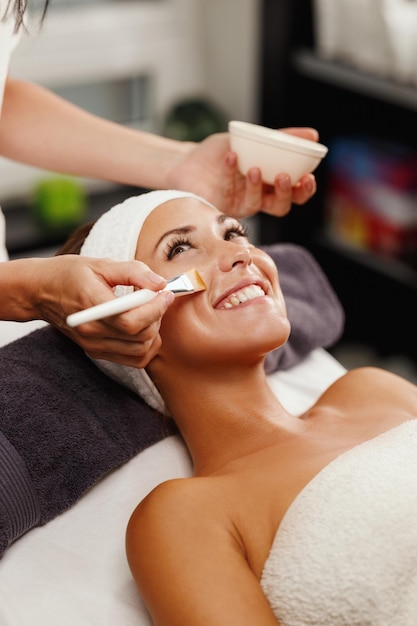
{"x":189,"y":565}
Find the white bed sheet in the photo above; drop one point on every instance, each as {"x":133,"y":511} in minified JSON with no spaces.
{"x":73,"y":571}
{"x":10,"y":331}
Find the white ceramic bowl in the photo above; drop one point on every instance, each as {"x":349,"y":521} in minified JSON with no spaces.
{"x":273,"y":151}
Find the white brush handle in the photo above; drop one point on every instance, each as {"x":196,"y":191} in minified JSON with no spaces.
{"x":112,"y":307}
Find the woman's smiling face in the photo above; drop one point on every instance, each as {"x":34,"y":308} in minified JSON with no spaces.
{"x":242,"y":310}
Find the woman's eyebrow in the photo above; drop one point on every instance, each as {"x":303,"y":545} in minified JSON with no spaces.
{"x":222,"y":218}
{"x":182,"y":230}
{"x":185,"y":230}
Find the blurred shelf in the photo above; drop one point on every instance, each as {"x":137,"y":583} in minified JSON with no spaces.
{"x":26,"y":237}
{"x":301,"y":88}
{"x":307,"y":63}
{"x":393,"y":269}
{"x":336,"y":74}
{"x":377,"y":295}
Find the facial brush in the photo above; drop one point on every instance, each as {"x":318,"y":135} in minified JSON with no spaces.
{"x":187,"y":283}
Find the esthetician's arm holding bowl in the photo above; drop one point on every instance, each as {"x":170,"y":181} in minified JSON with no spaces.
{"x":40,"y":129}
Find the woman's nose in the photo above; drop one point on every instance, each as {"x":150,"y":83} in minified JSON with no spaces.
{"x":231,"y":255}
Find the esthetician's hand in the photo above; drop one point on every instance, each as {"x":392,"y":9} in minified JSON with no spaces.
{"x":69,"y":283}
{"x":210,"y":169}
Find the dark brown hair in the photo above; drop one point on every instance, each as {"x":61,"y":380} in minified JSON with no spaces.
{"x":75,"y":241}
{"x":18,"y":8}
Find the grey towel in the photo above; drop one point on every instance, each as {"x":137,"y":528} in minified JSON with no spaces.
{"x":64,"y":424}
{"x":316,"y":315}
{"x":69,"y":425}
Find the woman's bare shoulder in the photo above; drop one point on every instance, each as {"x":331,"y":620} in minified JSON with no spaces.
{"x":180,"y":521}
{"x":167,"y":497}
{"x":159,"y":522}
{"x":374,"y":376}
{"x":175,"y":503}
{"x":372,"y":386}
{"x":183,"y":550}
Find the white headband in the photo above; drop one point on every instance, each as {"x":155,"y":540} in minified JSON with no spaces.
{"x":115,"y":235}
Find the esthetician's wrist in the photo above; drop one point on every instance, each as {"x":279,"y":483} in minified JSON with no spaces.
{"x":175,"y":161}
{"x":19,"y":280}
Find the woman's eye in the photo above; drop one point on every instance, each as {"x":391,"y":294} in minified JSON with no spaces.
{"x":236,"y":231}
{"x":177,"y":247}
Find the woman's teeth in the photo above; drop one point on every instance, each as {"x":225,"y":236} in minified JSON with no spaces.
{"x":243,"y":295}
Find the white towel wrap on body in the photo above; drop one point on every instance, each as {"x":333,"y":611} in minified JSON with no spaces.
{"x":345,"y":553}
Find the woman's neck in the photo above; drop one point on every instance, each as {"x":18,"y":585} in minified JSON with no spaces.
{"x":226,"y":415}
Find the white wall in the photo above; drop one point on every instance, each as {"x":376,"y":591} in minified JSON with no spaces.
{"x":230,"y":32}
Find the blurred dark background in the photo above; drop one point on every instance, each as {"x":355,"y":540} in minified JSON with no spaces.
{"x":362,"y":223}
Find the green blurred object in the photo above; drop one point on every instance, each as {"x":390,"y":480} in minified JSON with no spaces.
{"x":194,"y":120}
{"x":59,"y":203}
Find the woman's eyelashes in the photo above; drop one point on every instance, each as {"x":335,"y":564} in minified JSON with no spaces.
{"x":181,"y":244}
{"x":238,"y":230}
{"x":177,"y":246}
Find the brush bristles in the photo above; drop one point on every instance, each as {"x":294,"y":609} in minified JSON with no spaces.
{"x":196,"y":280}
{"x":189,"y":282}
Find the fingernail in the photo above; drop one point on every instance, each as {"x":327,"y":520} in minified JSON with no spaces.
{"x":231,"y":159}
{"x":255,"y":177}
{"x":169,"y":297}
{"x":309,"y":184}
{"x":156,"y":278}
{"x":284,"y":183}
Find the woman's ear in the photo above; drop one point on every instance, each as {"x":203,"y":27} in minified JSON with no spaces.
{"x":75,"y":241}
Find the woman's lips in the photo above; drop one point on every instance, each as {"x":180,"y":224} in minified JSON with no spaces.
{"x":240,"y":295}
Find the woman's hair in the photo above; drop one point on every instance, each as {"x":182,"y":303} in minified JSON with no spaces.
{"x":75,"y":241}
{"x":18,"y":8}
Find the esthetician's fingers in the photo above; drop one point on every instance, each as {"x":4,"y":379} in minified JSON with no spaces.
{"x":274,"y":199}
{"x":210,"y":169}
{"x":66,"y":284}
{"x":279,"y":202}
{"x":306,"y":132}
{"x":277,"y":199}
{"x":306,"y":187}
{"x":131,"y":338}
{"x":255,"y":196}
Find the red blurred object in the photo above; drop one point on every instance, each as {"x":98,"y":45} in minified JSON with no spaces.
{"x":371,"y":199}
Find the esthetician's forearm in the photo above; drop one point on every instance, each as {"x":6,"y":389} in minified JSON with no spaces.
{"x":38,"y":128}
{"x":18,"y":281}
